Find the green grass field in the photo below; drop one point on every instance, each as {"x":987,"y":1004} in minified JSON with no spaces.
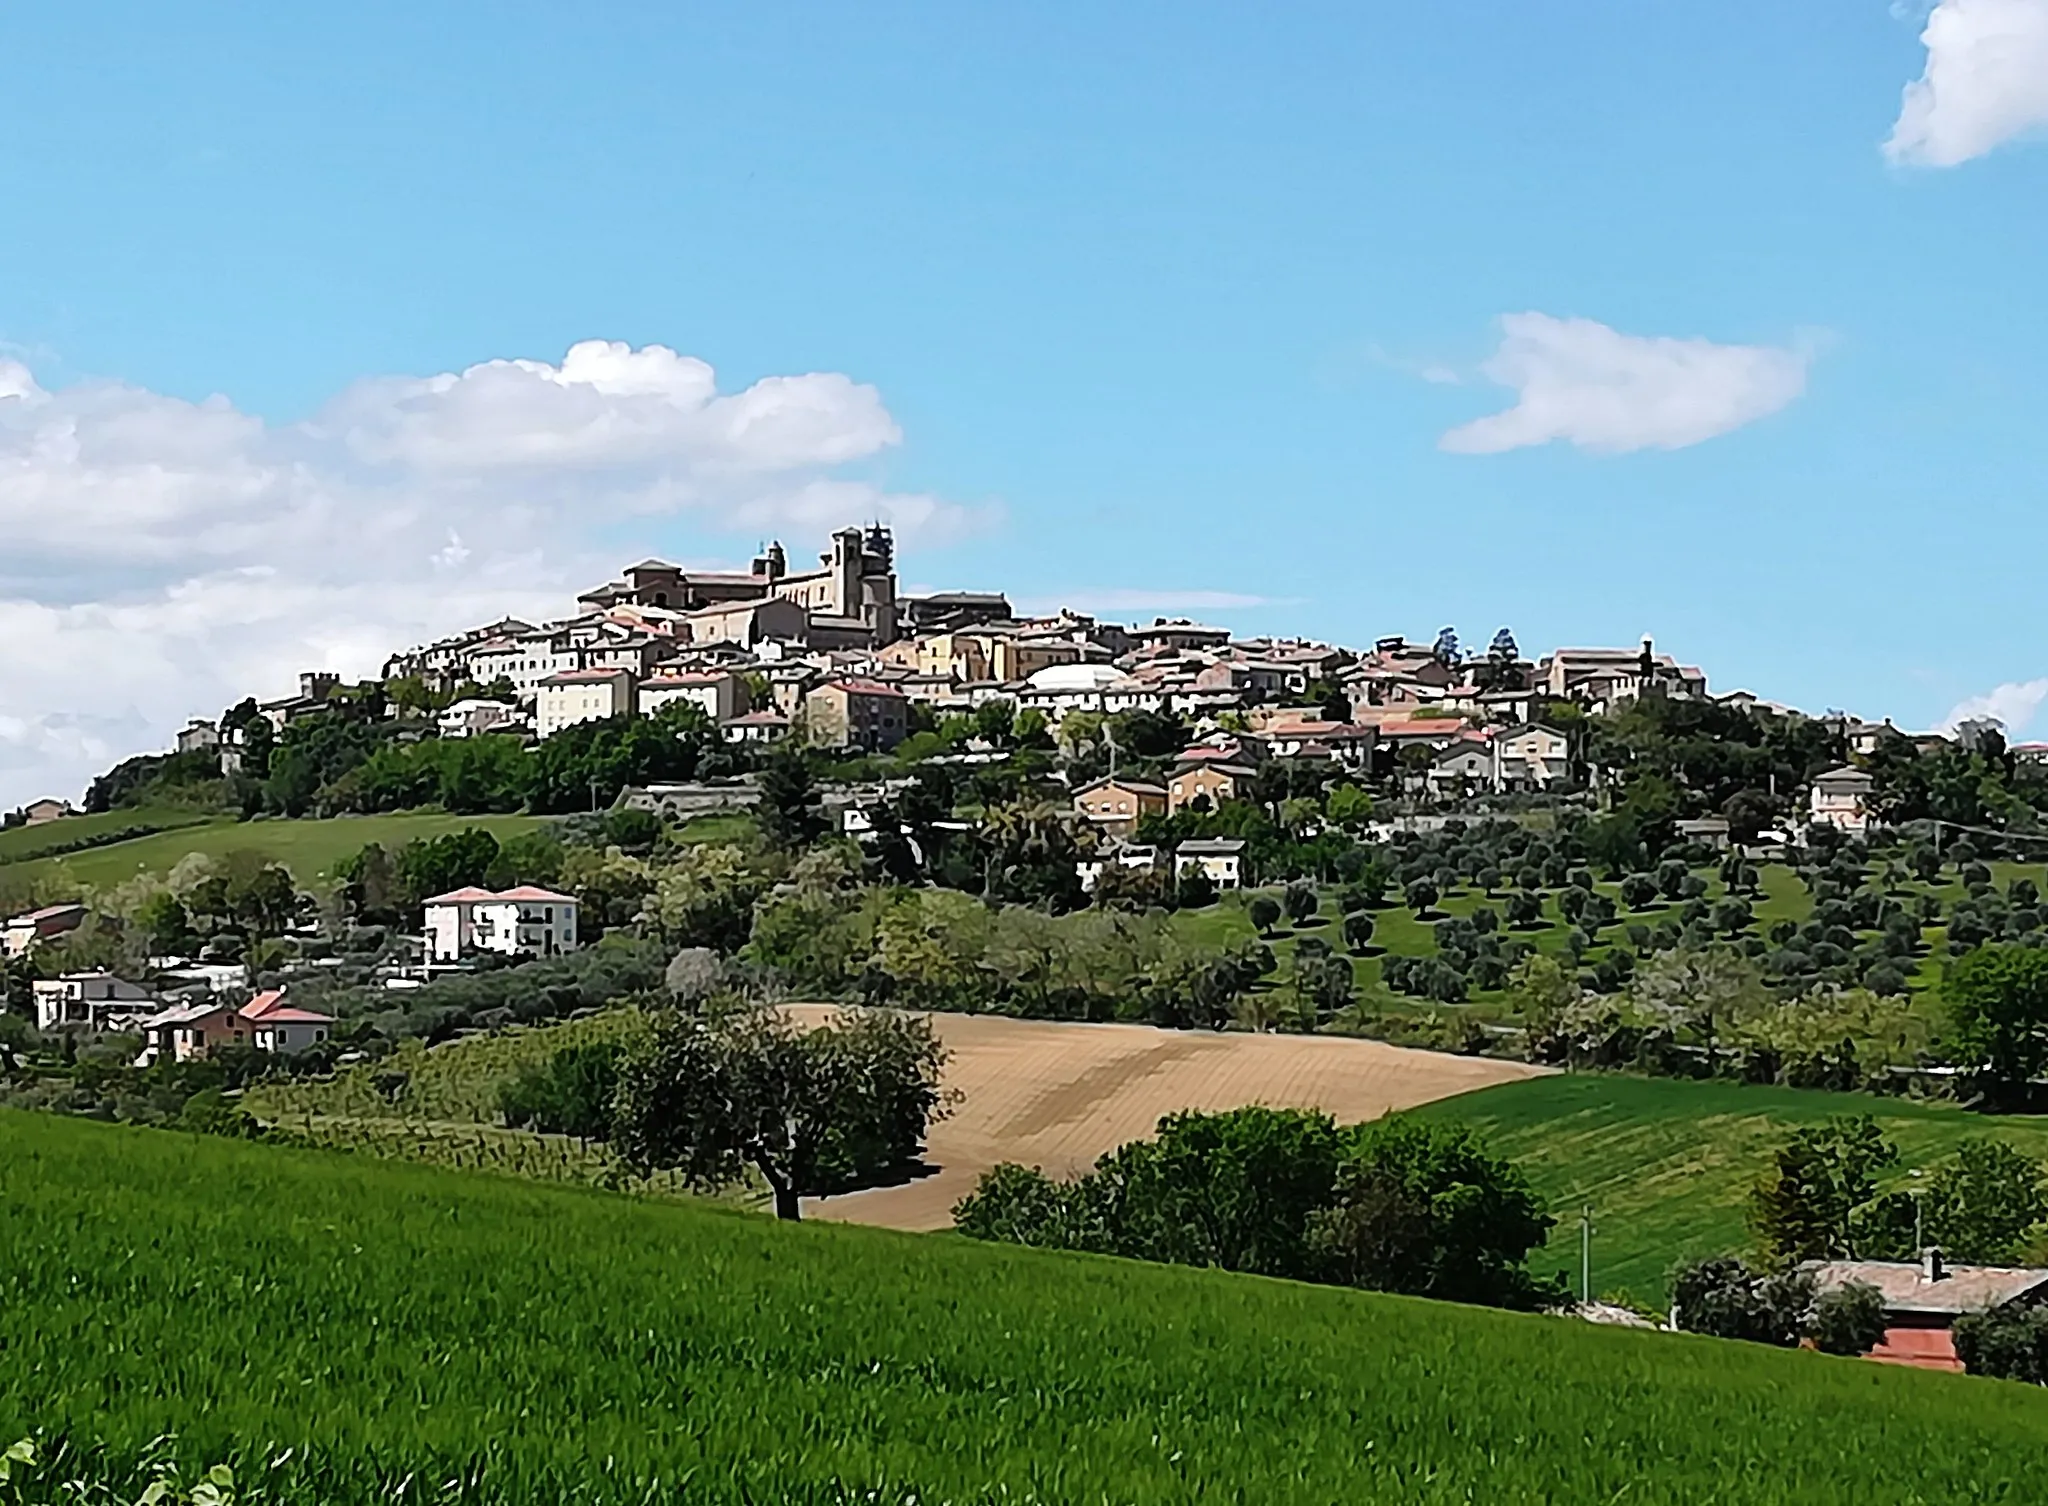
{"x":333,"y":1326}
{"x":1667,"y":1165}
{"x":25,"y":842}
{"x":310,"y":849}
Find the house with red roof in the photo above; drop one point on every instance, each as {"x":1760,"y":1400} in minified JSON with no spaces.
{"x":266,"y":1023}
{"x":527,"y":920}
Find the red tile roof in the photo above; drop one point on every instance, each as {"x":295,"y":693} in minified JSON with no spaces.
{"x":867,"y":687}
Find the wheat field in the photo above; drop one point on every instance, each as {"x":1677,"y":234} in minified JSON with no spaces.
{"x":1056,"y":1096}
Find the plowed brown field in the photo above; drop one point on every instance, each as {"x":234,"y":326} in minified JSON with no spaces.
{"x":1056,"y":1096}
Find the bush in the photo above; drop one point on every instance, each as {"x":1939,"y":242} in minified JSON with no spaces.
{"x":569,"y":1094}
{"x":2006,"y":1343}
{"x":1849,"y":1320}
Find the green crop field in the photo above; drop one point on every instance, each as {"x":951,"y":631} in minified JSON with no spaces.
{"x":310,"y":849}
{"x":1667,"y":1165}
{"x":332,"y":1326}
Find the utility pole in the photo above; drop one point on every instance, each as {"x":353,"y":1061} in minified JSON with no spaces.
{"x":1586,"y":1254}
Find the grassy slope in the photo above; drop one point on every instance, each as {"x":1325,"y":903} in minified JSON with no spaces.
{"x":24,"y":842}
{"x":310,"y":849}
{"x":397,"y":1318}
{"x":1667,"y":1165}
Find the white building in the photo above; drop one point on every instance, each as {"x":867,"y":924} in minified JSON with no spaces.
{"x":582,"y":695}
{"x":474,"y":717}
{"x":98,"y":1001}
{"x":718,"y":693}
{"x":1841,"y":799}
{"x":538,"y":922}
{"x":1221,"y":858}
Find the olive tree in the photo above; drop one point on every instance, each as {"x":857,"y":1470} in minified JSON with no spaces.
{"x":812,"y":1111}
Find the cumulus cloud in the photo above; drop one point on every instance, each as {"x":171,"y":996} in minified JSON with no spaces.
{"x":2012,"y":705}
{"x":1986,"y":81}
{"x":165,"y":557}
{"x":1595,"y":387}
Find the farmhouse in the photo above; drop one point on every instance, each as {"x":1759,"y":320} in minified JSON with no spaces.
{"x":1221,"y":858}
{"x":1116,"y":805}
{"x":266,"y":1023}
{"x":25,"y":932}
{"x":1841,"y":799}
{"x":97,"y":1001}
{"x":537,"y":922}
{"x":1923,"y":1299}
{"x":1209,"y":783}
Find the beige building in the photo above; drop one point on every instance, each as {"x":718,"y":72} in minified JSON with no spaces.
{"x":1118,"y":805}
{"x":718,"y":693}
{"x":852,"y":713}
{"x":535,"y":922}
{"x":1533,"y":757}
{"x":850,"y":599}
{"x":1213,"y":783}
{"x":582,"y":695}
{"x":1004,"y":655}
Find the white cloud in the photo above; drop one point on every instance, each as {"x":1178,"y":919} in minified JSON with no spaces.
{"x":2011,"y":705}
{"x":1986,"y":81}
{"x":166,"y":557}
{"x":1602,"y":390}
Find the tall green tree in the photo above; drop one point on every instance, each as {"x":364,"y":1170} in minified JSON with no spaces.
{"x":1997,"y":1000}
{"x":813,"y":1112}
{"x":1805,"y":1206}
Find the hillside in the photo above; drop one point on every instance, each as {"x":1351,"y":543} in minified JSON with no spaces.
{"x":1057,"y":1096}
{"x":308,"y":848}
{"x":333,"y":1325}
{"x":1667,"y":1164}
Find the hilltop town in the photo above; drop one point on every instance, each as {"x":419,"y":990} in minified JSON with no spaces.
{"x":836,"y":657}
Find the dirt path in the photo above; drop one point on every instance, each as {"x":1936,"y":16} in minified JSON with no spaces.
{"x":1056,"y":1096}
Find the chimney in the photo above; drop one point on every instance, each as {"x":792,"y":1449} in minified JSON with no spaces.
{"x":1931,"y":1268}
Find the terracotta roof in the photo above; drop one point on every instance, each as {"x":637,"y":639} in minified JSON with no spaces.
{"x":694,"y":677}
{"x":270,"y":1009}
{"x":1140,"y":785}
{"x":530,"y":894}
{"x":758,"y":719}
{"x":469,"y":894}
{"x":865,"y":687}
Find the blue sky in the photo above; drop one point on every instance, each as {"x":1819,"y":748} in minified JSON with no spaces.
{"x":1144,"y":307}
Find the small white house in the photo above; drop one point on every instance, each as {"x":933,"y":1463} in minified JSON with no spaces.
{"x":97,"y":1001}
{"x":582,"y":695}
{"x":476,"y":716}
{"x":538,"y":922}
{"x":1841,"y":799}
{"x":1221,"y":858}
{"x":1136,"y":857}
{"x":719,"y":693}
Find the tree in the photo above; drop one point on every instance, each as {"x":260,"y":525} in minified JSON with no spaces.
{"x":1425,"y":1208}
{"x":1349,"y":806}
{"x":693,"y":975}
{"x":1324,"y":983}
{"x":1722,"y":1296}
{"x":568,"y":1094}
{"x":791,"y":817}
{"x":1804,"y":1207}
{"x":429,"y":866}
{"x":1540,"y":991}
{"x":1984,"y":1203}
{"x":1446,"y":650}
{"x":1848,"y":1319}
{"x":1264,"y":911}
{"x":1639,"y":891}
{"x":1524,"y":908}
{"x":1358,"y":929}
{"x":1422,"y":895}
{"x":1501,"y":669}
{"x":813,"y":1112}
{"x":1997,"y":999}
{"x":1301,"y":901}
{"x":2006,"y":1343}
